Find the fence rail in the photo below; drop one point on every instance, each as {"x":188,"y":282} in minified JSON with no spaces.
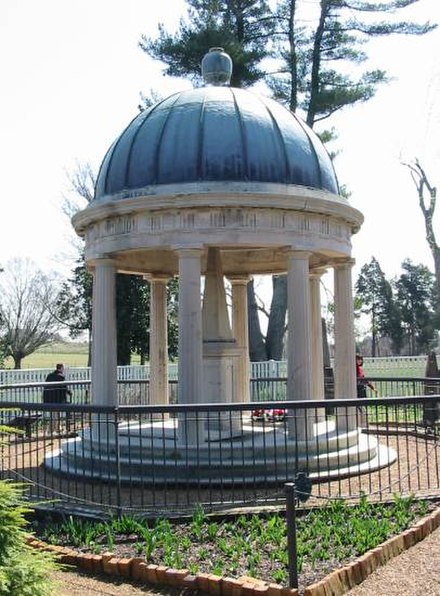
{"x":393,"y":366}
{"x":137,"y":392}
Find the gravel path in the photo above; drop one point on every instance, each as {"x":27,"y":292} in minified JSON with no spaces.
{"x":416,"y":572}
{"x":78,"y":583}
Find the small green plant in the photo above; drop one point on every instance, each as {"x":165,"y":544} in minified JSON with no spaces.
{"x":212,"y":531}
{"x":185,"y":543}
{"x":193,"y":568}
{"x":150,"y":541}
{"x":198,"y":520}
{"x":172,"y":557}
{"x":217,"y":567}
{"x":110,"y":539}
{"x":125,"y":525}
{"x":280,"y":576}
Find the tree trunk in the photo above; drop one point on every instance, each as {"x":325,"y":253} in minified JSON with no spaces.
{"x":272,"y":349}
{"x":436,"y":255}
{"x":123,"y":347}
{"x":124,"y":355}
{"x":373,"y":331}
{"x":431,"y":411}
{"x":316,"y":67}
{"x":89,"y":351}
{"x":257,"y":348}
{"x":427,"y":206}
{"x":293,"y":104}
{"x":277,"y":318}
{"x":325,"y":348}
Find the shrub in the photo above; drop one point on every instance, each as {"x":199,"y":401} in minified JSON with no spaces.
{"x":24,"y":571}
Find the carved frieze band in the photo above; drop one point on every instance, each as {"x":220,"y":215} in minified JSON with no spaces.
{"x":156,"y":222}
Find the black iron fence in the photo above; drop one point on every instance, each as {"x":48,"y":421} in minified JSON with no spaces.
{"x":137,"y":392}
{"x":164,"y":459}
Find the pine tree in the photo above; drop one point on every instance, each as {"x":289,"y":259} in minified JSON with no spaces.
{"x":314,"y":57}
{"x":416,"y":295}
{"x":375,"y":296}
{"x":241,"y":27}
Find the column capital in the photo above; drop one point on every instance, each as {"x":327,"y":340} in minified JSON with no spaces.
{"x":239,"y":279}
{"x":298,"y":254}
{"x":158,"y":277}
{"x":343,"y":263}
{"x":318,"y":272}
{"x":104,"y":261}
{"x":188,"y":251}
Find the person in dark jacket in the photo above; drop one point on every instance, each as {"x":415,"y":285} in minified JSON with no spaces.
{"x":56,"y":393}
{"x":59,"y":392}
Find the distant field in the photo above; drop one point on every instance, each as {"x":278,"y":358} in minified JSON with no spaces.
{"x":76,"y":353}
{"x":69,"y":353}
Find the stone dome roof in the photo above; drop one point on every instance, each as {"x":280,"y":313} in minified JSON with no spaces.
{"x":214,"y":134}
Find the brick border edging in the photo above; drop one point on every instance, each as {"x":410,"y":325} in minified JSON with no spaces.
{"x":138,"y":570}
{"x":336,"y":583}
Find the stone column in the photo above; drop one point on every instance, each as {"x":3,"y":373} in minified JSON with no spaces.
{"x":240,"y":330}
{"x":299,"y":363}
{"x":318,"y":392}
{"x":158,"y":340}
{"x":345,"y":347}
{"x":104,"y":357}
{"x":190,"y":342}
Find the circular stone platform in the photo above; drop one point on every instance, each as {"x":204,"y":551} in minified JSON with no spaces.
{"x":150,"y":453}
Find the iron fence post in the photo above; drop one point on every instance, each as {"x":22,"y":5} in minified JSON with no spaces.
{"x":291,"y":534}
{"x":118,"y":465}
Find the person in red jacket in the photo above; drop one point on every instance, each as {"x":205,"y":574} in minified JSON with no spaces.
{"x":361,"y":382}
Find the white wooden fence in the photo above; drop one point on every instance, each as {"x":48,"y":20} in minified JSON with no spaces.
{"x":398,"y":366}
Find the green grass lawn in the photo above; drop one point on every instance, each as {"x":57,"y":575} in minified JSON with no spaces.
{"x":69,"y":353}
{"x":75,"y":354}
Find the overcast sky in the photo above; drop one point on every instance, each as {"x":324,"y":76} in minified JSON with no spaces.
{"x":71,"y":75}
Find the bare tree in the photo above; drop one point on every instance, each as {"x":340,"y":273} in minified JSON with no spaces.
{"x":427,"y":200}
{"x":28,"y":309}
{"x":81,"y":183}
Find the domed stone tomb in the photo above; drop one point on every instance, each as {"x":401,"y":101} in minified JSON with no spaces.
{"x":210,"y":183}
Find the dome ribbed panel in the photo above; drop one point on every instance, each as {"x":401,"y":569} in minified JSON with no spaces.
{"x":178,"y":152}
{"x":101,"y":179}
{"x":223,"y":155}
{"x":144,"y":163}
{"x":264,"y":145}
{"x":215,"y":134}
{"x":303,"y":166}
{"x":119,"y":162}
{"x":328,"y":176}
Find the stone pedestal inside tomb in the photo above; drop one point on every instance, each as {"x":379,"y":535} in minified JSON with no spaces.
{"x":220,"y":352}
{"x":210,"y":184}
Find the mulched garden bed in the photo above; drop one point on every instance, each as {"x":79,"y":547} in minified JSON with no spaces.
{"x":251,"y":545}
